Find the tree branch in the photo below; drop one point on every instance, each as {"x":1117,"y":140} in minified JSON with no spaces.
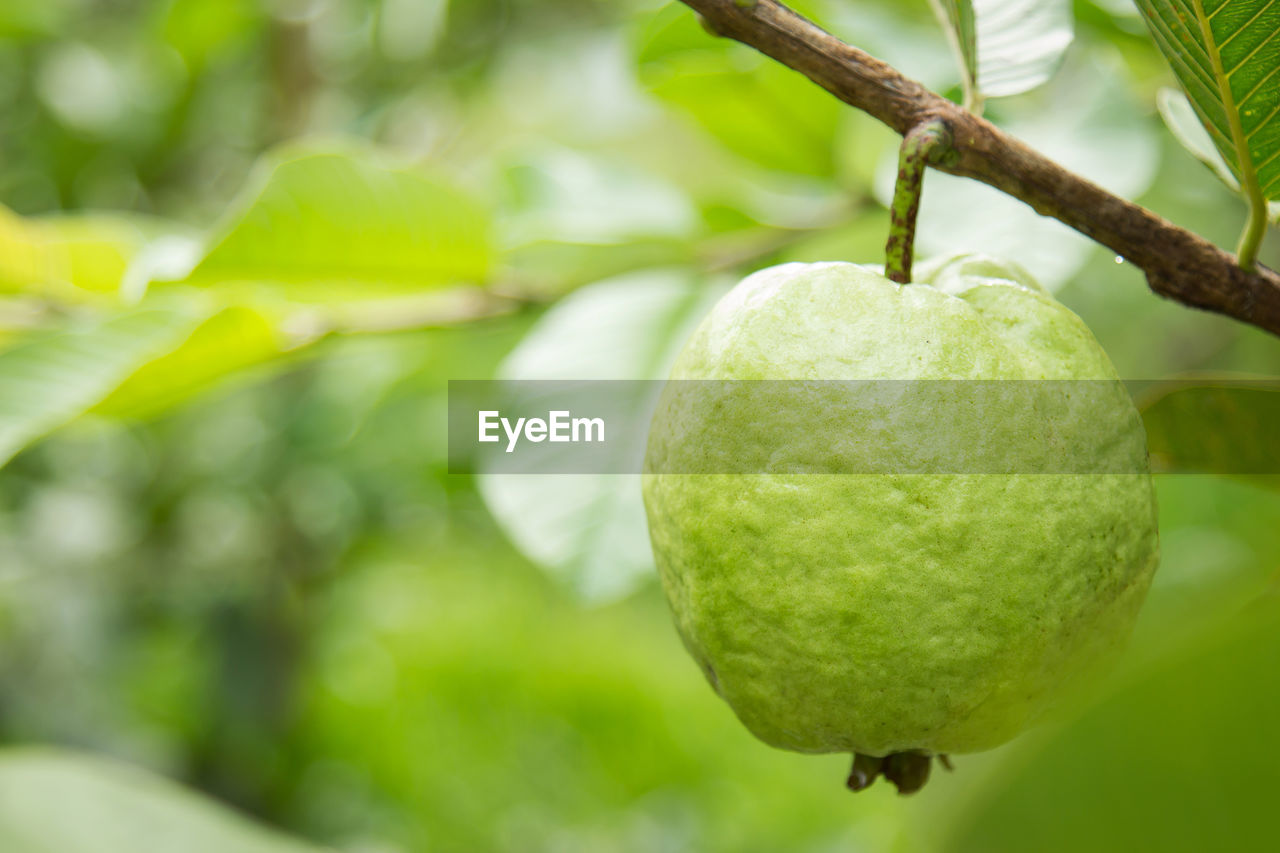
{"x":1178,"y":264}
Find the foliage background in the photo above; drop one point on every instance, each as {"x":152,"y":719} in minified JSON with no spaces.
{"x":249,"y":571}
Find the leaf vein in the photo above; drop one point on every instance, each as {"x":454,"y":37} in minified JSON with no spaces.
{"x":1262,"y":10}
{"x":1258,"y":85}
{"x":1254,"y":52}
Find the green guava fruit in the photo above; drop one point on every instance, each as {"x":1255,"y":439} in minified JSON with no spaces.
{"x":894,"y":614}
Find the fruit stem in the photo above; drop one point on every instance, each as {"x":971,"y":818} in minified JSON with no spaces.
{"x":865,"y":770}
{"x":907,"y":770}
{"x":927,"y":142}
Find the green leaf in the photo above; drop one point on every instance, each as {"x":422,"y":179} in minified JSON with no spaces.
{"x":33,"y":19}
{"x":1227,"y":59}
{"x":1180,"y":117}
{"x":52,"y":377}
{"x":67,"y":258}
{"x":557,"y":194}
{"x":232,"y":340}
{"x":1020,"y":43}
{"x":326,"y":227}
{"x":53,"y":801}
{"x":589,"y":530}
{"x":1005,"y":47}
{"x":753,"y":106}
{"x":202,"y":31}
{"x":1200,"y":426}
{"x":956,"y":17}
{"x":23,"y":265}
{"x":570,"y":218}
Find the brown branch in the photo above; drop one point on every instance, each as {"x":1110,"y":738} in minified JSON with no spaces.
{"x":1179,"y":265}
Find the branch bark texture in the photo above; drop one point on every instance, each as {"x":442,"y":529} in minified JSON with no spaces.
{"x":1178,"y":264}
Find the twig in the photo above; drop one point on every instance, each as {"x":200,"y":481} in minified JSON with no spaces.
{"x":1179,"y":265}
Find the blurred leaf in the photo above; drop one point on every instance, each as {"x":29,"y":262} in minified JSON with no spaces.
{"x":1020,"y":43}
{"x":551,"y":268}
{"x":567,"y":196}
{"x":52,"y":800}
{"x":1215,"y":428}
{"x":200,"y":30}
{"x":1180,"y":117}
{"x":956,"y":17}
{"x":570,"y":218}
{"x":1180,"y":759}
{"x":575,"y":729}
{"x":896,"y":33}
{"x":589,"y":530}
{"x":754,"y":106}
{"x":1005,"y":47}
{"x":70,"y":258}
{"x":166,"y":258}
{"x":52,"y":377}
{"x":333,"y":227}
{"x":90,"y":252}
{"x":231,"y":340}
{"x":766,"y":114}
{"x":23,"y":264}
{"x":1217,"y":543}
{"x":22,"y":19}
{"x":1225,"y":55}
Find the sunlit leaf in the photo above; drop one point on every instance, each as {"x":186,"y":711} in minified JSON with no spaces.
{"x":589,"y":530}
{"x":167,"y":258}
{"x":70,"y":258}
{"x":52,"y":800}
{"x":334,"y":226}
{"x":1226,"y":56}
{"x":22,"y":255}
{"x":231,"y":340}
{"x":50,"y":378}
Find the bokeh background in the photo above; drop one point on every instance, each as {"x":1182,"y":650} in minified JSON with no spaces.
{"x":269,"y":589}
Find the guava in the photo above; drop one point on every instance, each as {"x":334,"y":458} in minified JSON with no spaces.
{"x":881,"y":611}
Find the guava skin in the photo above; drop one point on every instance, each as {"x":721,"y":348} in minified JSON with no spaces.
{"x":883,"y":614}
